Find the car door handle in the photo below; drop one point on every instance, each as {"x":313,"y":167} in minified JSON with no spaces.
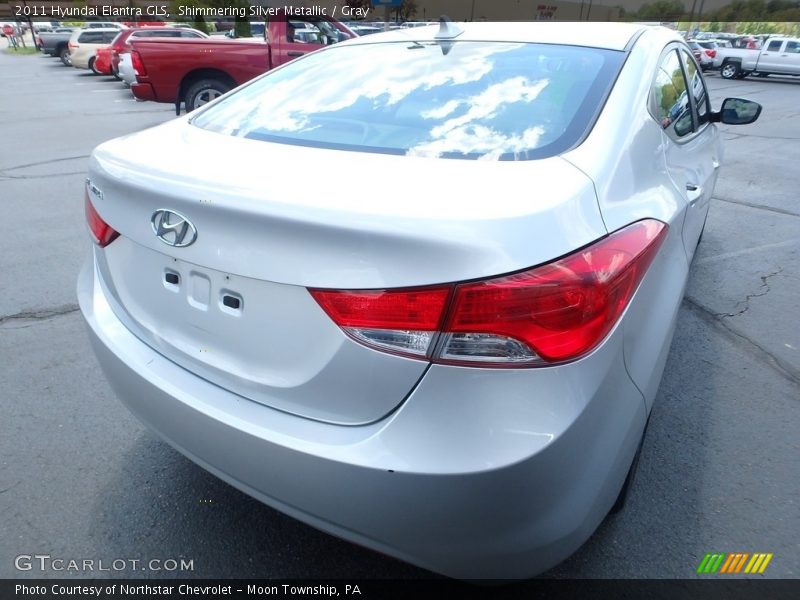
{"x":695,"y":193}
{"x":294,"y":53}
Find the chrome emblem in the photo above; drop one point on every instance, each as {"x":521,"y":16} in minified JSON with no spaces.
{"x":94,"y":189}
{"x":173,"y":228}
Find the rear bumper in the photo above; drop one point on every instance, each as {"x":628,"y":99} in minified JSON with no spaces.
{"x":479,"y":474}
{"x":143,"y":91}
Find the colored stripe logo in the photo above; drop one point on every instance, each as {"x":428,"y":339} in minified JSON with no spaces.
{"x":734,"y":562}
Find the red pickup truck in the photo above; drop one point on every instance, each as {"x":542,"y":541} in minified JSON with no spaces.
{"x":197,"y":71}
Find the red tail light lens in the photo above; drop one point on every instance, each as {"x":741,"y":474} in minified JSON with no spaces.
{"x":563,"y":309}
{"x":101,"y":231}
{"x":138,"y":64}
{"x":549,"y":314}
{"x":711,"y":53}
{"x":399,"y":321}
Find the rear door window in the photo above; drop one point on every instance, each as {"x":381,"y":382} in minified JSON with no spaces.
{"x":91,"y":37}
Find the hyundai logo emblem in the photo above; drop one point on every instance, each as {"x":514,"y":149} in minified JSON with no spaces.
{"x":173,"y":228}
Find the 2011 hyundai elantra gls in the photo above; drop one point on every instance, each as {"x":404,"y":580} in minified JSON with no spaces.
{"x":415,"y":289}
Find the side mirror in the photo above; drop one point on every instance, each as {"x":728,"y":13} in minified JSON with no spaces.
{"x":736,"y":111}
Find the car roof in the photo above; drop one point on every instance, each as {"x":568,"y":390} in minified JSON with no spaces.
{"x":613,"y":36}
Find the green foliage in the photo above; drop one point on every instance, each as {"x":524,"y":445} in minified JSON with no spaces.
{"x":242,"y":27}
{"x":200,"y":24}
{"x":661,"y":10}
{"x":406,"y":11}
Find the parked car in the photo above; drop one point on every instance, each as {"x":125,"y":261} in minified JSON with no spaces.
{"x":84,"y":42}
{"x":704,"y":52}
{"x":104,"y":25}
{"x":56,"y":43}
{"x":195,"y":72}
{"x":457,"y":371}
{"x":102,"y":60}
{"x":778,"y":56}
{"x":121,"y":44}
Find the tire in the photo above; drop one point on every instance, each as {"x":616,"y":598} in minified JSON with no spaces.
{"x":63,"y":54}
{"x":204,"y":91}
{"x":729,"y":70}
{"x":115,"y":73}
{"x":92,"y":67}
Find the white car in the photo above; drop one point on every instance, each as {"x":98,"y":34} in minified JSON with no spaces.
{"x":84,"y":42}
{"x":455,"y":368}
{"x":126,"y":72}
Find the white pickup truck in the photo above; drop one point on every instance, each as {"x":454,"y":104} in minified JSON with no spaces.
{"x":778,"y":56}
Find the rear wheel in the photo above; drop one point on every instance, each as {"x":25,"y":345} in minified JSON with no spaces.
{"x":204,"y":91}
{"x":729,"y":70}
{"x":92,"y":67}
{"x":64,"y":56}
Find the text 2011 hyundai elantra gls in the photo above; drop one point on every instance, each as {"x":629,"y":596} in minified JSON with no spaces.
{"x":416,"y":289}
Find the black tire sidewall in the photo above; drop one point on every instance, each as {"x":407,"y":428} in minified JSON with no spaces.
{"x":199,"y":87}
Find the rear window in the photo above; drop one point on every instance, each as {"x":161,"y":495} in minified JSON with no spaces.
{"x":469,"y":100}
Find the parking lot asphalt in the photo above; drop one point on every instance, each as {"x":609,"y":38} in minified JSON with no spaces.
{"x":81,"y":478}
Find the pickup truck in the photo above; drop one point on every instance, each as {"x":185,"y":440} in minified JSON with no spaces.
{"x":55,"y":43}
{"x":778,"y":56}
{"x":195,"y":72}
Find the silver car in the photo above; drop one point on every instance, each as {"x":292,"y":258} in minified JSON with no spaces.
{"x":452,"y":362}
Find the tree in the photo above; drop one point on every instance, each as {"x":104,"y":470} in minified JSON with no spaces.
{"x":662,"y":10}
{"x":406,"y":10}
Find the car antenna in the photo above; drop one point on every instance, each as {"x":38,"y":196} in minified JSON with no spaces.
{"x":447,"y":29}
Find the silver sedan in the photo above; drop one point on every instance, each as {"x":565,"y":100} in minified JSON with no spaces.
{"x":416,"y":289}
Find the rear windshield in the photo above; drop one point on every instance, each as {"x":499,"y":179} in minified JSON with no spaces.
{"x":469,"y":100}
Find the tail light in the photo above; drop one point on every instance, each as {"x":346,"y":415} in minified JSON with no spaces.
{"x":101,"y":231}
{"x":73,"y":45}
{"x":549,"y":314}
{"x":137,"y":63}
{"x":711,"y":53}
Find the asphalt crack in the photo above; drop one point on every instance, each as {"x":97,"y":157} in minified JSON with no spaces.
{"x":764,"y":356}
{"x":763,"y":291}
{"x":41,"y":163}
{"x":8,"y":489}
{"x":40,"y":315}
{"x":780,"y":211}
